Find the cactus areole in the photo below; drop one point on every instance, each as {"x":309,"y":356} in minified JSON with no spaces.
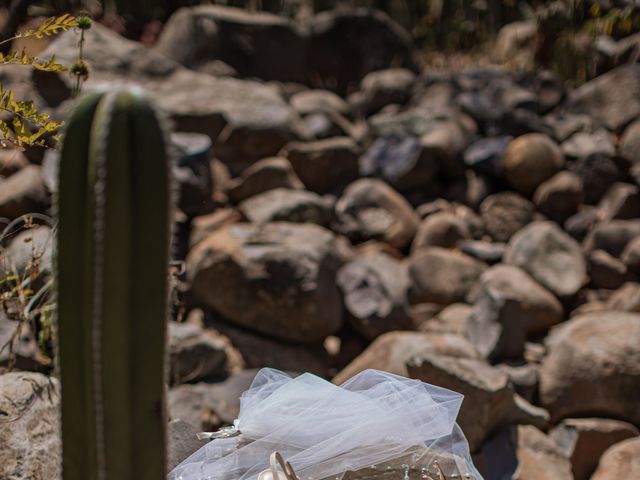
{"x":113,"y":211}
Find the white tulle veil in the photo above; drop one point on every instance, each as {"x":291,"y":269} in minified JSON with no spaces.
{"x":325,"y":430}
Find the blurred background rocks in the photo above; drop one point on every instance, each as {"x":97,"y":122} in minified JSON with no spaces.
{"x":444,"y":190}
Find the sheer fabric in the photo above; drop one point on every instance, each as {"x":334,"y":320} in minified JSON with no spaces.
{"x":325,"y":430}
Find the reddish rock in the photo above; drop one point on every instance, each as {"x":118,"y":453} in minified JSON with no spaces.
{"x":324,"y":165}
{"x":505,"y":213}
{"x":441,"y":230}
{"x":267,"y":174}
{"x":584,"y":440}
{"x":529,"y":160}
{"x":621,"y":461}
{"x":370,"y":209}
{"x":489,"y":401}
{"x":560,"y":196}
{"x":391,"y":352}
{"x":593,"y":366}
{"x":442,"y":276}
{"x":276,"y":278}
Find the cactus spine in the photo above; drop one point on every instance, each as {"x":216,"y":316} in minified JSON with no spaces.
{"x":112,"y":256}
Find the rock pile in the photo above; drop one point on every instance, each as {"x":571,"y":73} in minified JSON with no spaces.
{"x":479,"y":229}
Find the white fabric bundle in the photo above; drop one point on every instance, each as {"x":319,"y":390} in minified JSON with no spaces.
{"x":324,"y":430}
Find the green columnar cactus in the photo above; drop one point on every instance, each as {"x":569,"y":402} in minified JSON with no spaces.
{"x":113,"y":250}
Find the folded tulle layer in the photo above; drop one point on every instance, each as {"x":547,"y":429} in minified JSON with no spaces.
{"x":325,"y":430}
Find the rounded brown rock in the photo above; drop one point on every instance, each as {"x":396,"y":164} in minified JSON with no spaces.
{"x":529,"y":160}
{"x":593,"y":367}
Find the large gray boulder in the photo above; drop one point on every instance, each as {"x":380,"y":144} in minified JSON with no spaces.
{"x":276,"y":278}
{"x":255,"y":44}
{"x":334,"y":48}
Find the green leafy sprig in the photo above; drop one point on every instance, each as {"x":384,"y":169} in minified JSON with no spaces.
{"x":27,"y":126}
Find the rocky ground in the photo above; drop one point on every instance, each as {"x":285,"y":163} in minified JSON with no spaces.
{"x":343,"y":209}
